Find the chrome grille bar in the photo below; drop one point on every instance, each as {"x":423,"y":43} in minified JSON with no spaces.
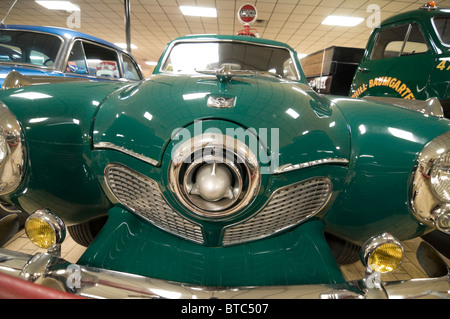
{"x":288,"y":207}
{"x":141,"y":195}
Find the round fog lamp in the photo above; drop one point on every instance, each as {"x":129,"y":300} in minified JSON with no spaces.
{"x":45,"y":229}
{"x":383,"y":253}
{"x":385,"y":258}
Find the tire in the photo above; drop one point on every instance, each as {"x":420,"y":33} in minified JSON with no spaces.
{"x":344,"y":252}
{"x":9,"y":226}
{"x":85,"y":233}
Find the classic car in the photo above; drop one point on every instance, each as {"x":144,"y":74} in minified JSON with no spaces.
{"x":408,"y":57}
{"x":43,"y":51}
{"x":223,"y":175}
{"x":49,"y":53}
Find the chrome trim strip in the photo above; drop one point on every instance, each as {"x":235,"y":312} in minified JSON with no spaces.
{"x":292,"y":167}
{"x":102,"y":283}
{"x":112,"y":146}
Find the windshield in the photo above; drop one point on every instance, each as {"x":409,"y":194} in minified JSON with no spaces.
{"x":443,"y":28}
{"x":188,"y":57}
{"x":26,"y":47}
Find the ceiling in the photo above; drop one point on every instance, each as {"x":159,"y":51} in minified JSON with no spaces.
{"x":155,"y":22}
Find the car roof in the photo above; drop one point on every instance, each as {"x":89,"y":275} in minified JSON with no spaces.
{"x":62,"y":32}
{"x":216,"y":37}
{"x":421,"y":14}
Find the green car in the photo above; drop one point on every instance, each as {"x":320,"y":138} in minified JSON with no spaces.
{"x":408,"y":57}
{"x":223,"y":175}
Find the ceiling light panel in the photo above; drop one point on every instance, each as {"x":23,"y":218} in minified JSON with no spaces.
{"x":199,"y":11}
{"x":342,"y":21}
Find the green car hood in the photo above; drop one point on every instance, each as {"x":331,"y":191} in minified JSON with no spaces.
{"x":296,"y":123}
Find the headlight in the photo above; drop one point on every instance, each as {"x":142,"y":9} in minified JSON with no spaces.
{"x":430,"y":189}
{"x":382,"y":253}
{"x":440,"y":177}
{"x":214,"y":175}
{"x":45,"y":229}
{"x":12,"y":152}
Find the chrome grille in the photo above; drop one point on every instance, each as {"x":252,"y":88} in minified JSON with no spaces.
{"x":288,"y":206}
{"x":141,"y":195}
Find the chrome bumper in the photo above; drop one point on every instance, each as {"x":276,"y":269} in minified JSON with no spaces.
{"x":49,"y":270}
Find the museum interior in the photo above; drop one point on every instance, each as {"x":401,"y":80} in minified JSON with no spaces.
{"x":374,"y":166}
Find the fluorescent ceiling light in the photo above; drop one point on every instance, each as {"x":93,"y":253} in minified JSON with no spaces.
{"x":151,"y":63}
{"x":199,"y":11}
{"x":59,"y":5}
{"x":124,"y":45}
{"x":342,"y":21}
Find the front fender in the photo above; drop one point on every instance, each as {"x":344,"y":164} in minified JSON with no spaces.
{"x":57,"y":132}
{"x":384,"y":148}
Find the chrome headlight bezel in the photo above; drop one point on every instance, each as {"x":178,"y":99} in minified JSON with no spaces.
{"x":14,"y":153}
{"x":210,"y":148}
{"x":382,"y":253}
{"x":428,"y":202}
{"x":439,"y":178}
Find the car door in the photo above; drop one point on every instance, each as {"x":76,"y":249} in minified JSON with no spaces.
{"x":398,"y":64}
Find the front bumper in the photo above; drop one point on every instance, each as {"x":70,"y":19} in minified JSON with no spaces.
{"x":51,"y":271}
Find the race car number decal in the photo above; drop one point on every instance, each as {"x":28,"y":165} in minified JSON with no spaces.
{"x":397,"y":85}
{"x":443,"y":65}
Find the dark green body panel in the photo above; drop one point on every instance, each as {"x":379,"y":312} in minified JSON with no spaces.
{"x":301,"y":256}
{"x":59,"y":173}
{"x":261,"y":102}
{"x":385,"y":143}
{"x":417,"y":76}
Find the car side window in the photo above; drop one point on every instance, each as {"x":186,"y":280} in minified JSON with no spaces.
{"x":77,"y":62}
{"x":415,"y":42}
{"x":101,"y":61}
{"x":443,"y":28}
{"x":389,"y":42}
{"x":400,"y":40}
{"x":129,"y":68}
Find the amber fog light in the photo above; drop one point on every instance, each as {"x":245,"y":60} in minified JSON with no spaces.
{"x":382,"y":253}
{"x":45,"y":229}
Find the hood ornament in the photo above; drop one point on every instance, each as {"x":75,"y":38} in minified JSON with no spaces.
{"x":226,"y":72}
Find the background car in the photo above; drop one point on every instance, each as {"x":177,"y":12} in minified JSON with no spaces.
{"x":33,"y":50}
{"x":407,"y":57}
{"x":222,"y":175}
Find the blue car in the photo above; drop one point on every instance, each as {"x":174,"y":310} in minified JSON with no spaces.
{"x":41,"y":51}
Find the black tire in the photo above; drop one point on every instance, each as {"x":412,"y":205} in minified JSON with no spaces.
{"x":9,"y":226}
{"x":85,"y":233}
{"x":440,"y":241}
{"x":344,"y":252}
